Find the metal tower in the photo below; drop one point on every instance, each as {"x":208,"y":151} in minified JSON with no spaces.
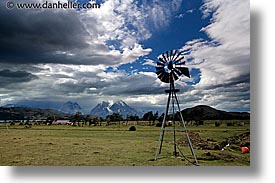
{"x":169,"y":68}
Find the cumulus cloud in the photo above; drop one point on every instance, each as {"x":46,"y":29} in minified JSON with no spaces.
{"x":224,"y":59}
{"x":67,"y":37}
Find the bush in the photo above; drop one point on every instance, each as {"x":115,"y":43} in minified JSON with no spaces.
{"x":132,"y":128}
{"x":158,"y":124}
{"x":217,"y":124}
{"x":229,"y":124}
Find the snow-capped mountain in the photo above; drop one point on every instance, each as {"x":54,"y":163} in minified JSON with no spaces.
{"x":70,"y":108}
{"x":106,"y":108}
{"x":102,"y":109}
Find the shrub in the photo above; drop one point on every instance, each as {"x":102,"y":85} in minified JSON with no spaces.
{"x":158,"y":124}
{"x":132,"y":128}
{"x":229,"y":124}
{"x":217,"y":124}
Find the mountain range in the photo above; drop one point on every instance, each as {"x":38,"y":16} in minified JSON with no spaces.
{"x":104,"y":109}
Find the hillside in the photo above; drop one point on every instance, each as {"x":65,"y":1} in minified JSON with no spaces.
{"x":19,"y":113}
{"x":204,"y":112}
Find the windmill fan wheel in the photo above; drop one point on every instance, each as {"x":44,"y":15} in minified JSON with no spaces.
{"x":170,"y":66}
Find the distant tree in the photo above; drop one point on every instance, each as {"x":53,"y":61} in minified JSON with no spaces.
{"x":100,"y":121}
{"x":114,"y":117}
{"x":148,"y":117}
{"x":132,"y":117}
{"x":160,"y":118}
{"x":78,"y":117}
{"x":96,"y":120}
{"x":155,"y":117}
{"x":50,"y":119}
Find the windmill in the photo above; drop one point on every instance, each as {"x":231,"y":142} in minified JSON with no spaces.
{"x":169,"y":69}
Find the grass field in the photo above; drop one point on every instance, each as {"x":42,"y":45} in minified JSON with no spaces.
{"x":111,"y":146}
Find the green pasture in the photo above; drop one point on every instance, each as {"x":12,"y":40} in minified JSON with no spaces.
{"x":114,"y":145}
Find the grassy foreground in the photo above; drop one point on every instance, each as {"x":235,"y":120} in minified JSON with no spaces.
{"x":113,"y":145}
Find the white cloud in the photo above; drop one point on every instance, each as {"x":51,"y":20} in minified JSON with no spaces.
{"x":149,"y":62}
{"x":229,"y":58}
{"x":126,"y":24}
{"x":224,"y":59}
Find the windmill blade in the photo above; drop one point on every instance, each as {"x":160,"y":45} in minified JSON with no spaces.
{"x":167,"y":56}
{"x":159,"y":70}
{"x":161,"y":75}
{"x":178,"y":55}
{"x":174,"y":75}
{"x":166,"y":79}
{"x":164,"y":76}
{"x":173,"y":56}
{"x":160,"y":64}
{"x":161,"y":60}
{"x":159,"y":67}
{"x":163,"y":56}
{"x":178,"y":60}
{"x":180,"y":63}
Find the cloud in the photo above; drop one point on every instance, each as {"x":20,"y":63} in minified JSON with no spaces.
{"x":81,"y":37}
{"x":149,"y":62}
{"x":67,"y":37}
{"x":8,"y":77}
{"x":223,"y":60}
{"x":161,"y":11}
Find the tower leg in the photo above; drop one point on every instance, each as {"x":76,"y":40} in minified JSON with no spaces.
{"x":162,"y":130}
{"x":174,"y":123}
{"x":186,"y":132}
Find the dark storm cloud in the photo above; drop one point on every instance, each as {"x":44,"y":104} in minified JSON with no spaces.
{"x":8,"y":77}
{"x":241,"y":79}
{"x":48,"y":36}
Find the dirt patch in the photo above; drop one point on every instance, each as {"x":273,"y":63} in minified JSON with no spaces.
{"x":225,"y":156}
{"x":235,"y":142}
{"x":198,"y":142}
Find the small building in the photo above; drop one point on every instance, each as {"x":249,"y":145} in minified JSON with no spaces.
{"x":61,"y":122}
